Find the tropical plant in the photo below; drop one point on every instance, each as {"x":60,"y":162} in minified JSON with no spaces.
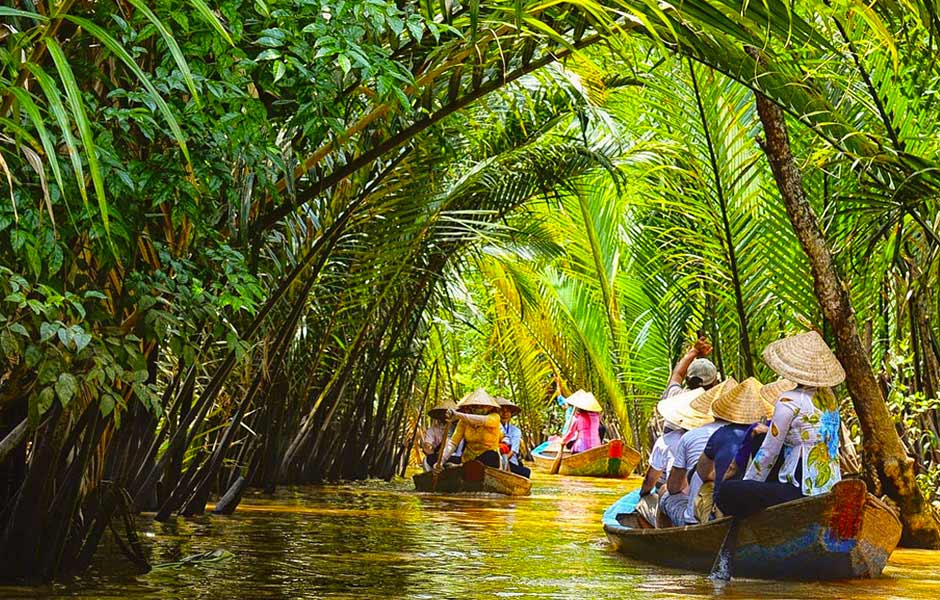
{"x":247,"y":242}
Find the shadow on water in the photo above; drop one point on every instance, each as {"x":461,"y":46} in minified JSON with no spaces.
{"x":378,"y":540}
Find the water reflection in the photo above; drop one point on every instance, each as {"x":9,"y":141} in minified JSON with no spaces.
{"x":377,"y":540}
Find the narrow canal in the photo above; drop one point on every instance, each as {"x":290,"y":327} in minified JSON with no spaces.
{"x":378,"y":540}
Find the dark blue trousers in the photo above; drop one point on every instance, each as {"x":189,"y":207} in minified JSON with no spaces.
{"x":520,"y":470}
{"x":740,"y":498}
{"x":490,"y":458}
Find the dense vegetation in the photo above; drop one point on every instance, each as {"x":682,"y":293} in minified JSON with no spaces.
{"x":248,"y":243}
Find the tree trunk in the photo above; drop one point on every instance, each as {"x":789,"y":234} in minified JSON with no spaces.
{"x":888,"y":469}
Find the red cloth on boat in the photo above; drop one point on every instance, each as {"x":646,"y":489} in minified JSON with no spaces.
{"x":583,"y":431}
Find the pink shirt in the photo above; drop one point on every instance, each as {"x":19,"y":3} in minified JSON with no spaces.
{"x":434,"y":435}
{"x":584,"y":431}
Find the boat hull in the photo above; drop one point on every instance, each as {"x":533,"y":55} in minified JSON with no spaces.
{"x":845,"y":534}
{"x":613,"y":459}
{"x":473,"y":477}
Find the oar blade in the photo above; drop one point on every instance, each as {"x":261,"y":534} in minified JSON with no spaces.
{"x":723,"y":568}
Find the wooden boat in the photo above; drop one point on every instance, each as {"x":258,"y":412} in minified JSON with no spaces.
{"x":845,"y":534}
{"x":613,"y":459}
{"x":473,"y":477}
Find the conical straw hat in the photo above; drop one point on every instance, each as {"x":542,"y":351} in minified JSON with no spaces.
{"x":504,"y":403}
{"x":675,"y":409}
{"x":741,"y":404}
{"x":805,"y":359}
{"x":703,"y":404}
{"x":698,"y":411}
{"x":477,"y":397}
{"x":442,"y":407}
{"x":584,"y":401}
{"x":771,"y":391}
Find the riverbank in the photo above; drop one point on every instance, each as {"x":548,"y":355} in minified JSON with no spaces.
{"x":378,"y":540}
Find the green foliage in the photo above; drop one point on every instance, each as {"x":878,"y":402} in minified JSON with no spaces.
{"x":55,"y":336}
{"x":700,"y":239}
{"x":298,"y":217}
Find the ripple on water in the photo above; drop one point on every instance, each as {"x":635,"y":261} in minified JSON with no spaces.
{"x":378,"y":540}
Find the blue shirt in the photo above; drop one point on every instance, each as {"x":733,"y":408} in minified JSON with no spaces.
{"x":515,"y":438}
{"x":722,"y":447}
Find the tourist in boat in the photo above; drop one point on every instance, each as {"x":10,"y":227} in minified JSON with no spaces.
{"x":693,"y":369}
{"x":742,"y":408}
{"x":436,"y":433}
{"x":512,"y":438}
{"x":698,"y":373}
{"x":583,"y":432}
{"x":683,"y":483}
{"x":755,"y":435}
{"x":478,"y":425}
{"x":663,"y":454}
{"x":805,"y":427}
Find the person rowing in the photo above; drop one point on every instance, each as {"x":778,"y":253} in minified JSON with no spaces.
{"x":436,"y":434}
{"x":478,"y":425}
{"x":583,"y":432}
{"x":559,"y":396}
{"x":805,"y":427}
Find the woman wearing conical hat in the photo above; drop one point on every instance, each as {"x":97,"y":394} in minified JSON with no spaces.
{"x":436,"y":432}
{"x":804,"y":428}
{"x":478,"y":427}
{"x":582,"y":433}
{"x":769,"y":394}
{"x":742,"y":407}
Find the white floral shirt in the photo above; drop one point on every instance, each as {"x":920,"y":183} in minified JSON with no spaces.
{"x":806,"y":427}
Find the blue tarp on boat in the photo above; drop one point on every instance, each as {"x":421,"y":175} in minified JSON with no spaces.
{"x":624,"y":506}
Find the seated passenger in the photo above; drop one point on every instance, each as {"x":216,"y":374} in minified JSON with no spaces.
{"x":682,"y":483}
{"x":742,"y":407}
{"x":479,"y":426}
{"x":663,"y":453}
{"x":805,"y":426}
{"x":435,"y":434}
{"x":512,"y":437}
{"x":582,"y":434}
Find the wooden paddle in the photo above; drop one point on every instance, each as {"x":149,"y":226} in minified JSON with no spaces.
{"x":557,"y":464}
{"x":723,"y":568}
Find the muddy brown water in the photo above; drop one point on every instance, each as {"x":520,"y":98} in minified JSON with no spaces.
{"x":382,"y":540}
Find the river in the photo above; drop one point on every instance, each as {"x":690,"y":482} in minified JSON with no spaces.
{"x":382,"y":540}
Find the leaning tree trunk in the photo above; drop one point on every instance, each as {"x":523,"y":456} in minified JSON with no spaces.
{"x":888,"y":469}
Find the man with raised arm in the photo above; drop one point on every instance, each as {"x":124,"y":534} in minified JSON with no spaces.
{"x":699,"y":374}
